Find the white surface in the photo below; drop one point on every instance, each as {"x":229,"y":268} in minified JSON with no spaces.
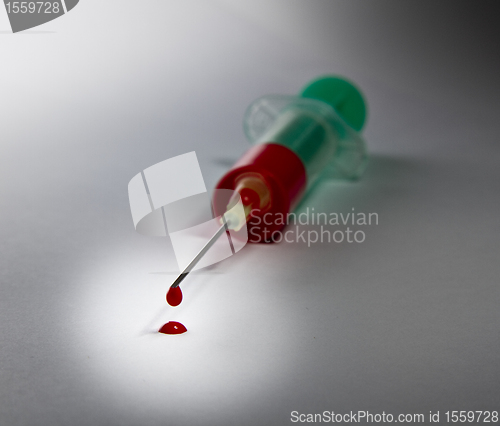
{"x":406,"y":322}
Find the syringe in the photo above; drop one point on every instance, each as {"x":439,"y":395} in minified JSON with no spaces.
{"x":296,"y":140}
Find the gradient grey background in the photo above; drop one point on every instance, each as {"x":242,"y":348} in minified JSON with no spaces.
{"x":406,"y":322}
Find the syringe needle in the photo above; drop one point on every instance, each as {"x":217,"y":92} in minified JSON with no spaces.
{"x":201,"y":253}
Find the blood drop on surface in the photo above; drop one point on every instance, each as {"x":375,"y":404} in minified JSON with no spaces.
{"x":172,"y":327}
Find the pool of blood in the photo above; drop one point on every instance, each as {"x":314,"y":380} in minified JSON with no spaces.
{"x":172,"y":327}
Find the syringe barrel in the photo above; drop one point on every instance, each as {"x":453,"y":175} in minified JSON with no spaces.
{"x":284,"y":175}
{"x":304,"y":128}
{"x":297,"y":139}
